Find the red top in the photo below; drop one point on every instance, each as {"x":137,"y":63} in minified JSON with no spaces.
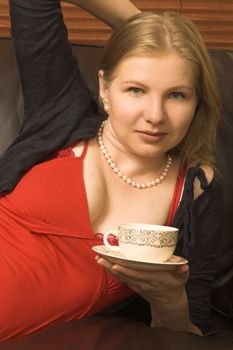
{"x":48,"y":272}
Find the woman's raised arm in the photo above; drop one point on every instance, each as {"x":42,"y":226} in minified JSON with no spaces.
{"x":56,"y":99}
{"x":112,"y":12}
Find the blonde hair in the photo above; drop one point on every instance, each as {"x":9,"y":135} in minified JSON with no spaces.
{"x":151,"y":33}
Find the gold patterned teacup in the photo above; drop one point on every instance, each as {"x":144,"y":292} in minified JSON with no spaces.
{"x":144,"y":242}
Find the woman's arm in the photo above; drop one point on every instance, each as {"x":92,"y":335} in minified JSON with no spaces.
{"x":56,"y":99}
{"x":175,"y":314}
{"x":200,"y":222}
{"x":112,"y":12}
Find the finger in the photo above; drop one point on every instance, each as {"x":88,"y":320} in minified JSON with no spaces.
{"x":104,"y":262}
{"x":141,"y":276}
{"x":108,"y":266}
{"x":131,"y":274}
{"x":181,"y":272}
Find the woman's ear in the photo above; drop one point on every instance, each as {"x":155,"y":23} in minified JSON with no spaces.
{"x":103,"y":93}
{"x":102,"y":85}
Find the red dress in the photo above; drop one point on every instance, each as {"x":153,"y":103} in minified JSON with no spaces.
{"x":48,"y":271}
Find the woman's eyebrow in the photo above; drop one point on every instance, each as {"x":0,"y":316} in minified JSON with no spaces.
{"x":133,"y":82}
{"x":187,"y":87}
{"x":137,"y":82}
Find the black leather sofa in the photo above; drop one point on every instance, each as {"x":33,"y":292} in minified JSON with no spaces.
{"x":73,"y":334}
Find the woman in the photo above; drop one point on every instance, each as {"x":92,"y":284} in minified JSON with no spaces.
{"x":151,"y":162}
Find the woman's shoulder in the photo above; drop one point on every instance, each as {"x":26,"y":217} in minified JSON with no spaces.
{"x":202,"y":175}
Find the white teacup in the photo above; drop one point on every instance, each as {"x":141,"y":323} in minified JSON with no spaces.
{"x":144,"y":242}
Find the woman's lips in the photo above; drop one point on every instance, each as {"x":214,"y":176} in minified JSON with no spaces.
{"x":152,"y":136}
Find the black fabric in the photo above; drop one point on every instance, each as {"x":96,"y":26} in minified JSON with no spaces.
{"x":60,"y":109}
{"x":200,"y":222}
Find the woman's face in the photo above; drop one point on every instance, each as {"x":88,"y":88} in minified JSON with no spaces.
{"x":152,"y":101}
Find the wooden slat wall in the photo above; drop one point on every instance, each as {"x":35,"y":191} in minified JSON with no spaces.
{"x":214,"y":18}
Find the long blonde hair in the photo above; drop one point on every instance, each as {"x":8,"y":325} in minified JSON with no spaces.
{"x":150,"y":33}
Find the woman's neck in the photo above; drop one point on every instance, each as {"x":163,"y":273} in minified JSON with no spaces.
{"x":130,"y":166}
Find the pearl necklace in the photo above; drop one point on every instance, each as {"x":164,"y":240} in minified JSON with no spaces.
{"x":120,"y":174}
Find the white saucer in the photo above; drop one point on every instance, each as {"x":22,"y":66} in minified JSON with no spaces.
{"x":116,"y":257}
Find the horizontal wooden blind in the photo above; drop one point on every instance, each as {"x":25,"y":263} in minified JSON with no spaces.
{"x":214,"y":18}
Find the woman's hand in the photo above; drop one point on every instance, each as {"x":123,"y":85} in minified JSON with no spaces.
{"x":155,"y":286}
{"x":164,"y":290}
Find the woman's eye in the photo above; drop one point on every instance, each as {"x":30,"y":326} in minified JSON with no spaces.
{"x":135,"y":91}
{"x":177,"y":95}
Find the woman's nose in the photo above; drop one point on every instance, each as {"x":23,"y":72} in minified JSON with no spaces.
{"x":155,"y":111}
